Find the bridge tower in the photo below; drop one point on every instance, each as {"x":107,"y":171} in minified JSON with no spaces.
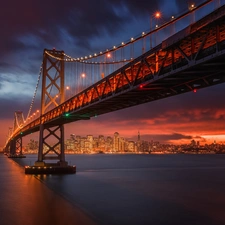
{"x":15,"y":147}
{"x":7,"y":147}
{"x":51,"y":137}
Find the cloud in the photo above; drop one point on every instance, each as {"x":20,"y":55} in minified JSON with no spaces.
{"x":167,"y":137}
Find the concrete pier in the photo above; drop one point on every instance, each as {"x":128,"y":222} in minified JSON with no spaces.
{"x":50,"y":168}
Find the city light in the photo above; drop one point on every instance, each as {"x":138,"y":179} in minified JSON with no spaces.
{"x":119,"y":144}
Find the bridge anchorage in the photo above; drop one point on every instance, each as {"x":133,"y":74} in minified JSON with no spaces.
{"x":51,"y":132}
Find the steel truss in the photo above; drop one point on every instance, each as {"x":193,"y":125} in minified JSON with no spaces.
{"x":52,"y":96}
{"x":193,"y":58}
{"x":18,"y":145}
{"x":15,"y":147}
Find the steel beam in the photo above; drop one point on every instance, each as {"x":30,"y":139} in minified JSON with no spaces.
{"x":53,"y":94}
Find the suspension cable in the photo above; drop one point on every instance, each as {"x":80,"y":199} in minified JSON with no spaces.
{"x":35,"y":92}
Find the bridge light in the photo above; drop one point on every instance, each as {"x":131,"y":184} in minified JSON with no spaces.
{"x":141,"y":86}
{"x":67,"y":114}
{"x":157,"y":15}
{"x":192,"y":6}
{"x":21,"y":132}
{"x":195,"y":90}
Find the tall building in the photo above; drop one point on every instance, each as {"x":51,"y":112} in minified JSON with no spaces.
{"x":122,"y":144}
{"x":116,"y":142}
{"x":130,"y":146}
{"x":90,"y":141}
{"x":109,"y":144}
{"x":139,"y":142}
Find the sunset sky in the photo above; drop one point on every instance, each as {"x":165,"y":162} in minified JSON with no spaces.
{"x":80,"y":28}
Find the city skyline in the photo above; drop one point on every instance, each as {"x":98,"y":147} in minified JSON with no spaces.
{"x":177,"y":119}
{"x":117,"y":144}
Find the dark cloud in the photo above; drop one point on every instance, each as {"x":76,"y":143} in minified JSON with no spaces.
{"x":54,"y":22}
{"x":169,"y":138}
{"x":166,"y":137}
{"x":12,"y":105}
{"x":81,"y":20}
{"x":4,"y":67}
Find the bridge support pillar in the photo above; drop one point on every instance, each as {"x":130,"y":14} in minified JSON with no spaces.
{"x":49,"y":150}
{"x":51,"y":147}
{"x":51,"y":139}
{"x":12,"y":148}
{"x":15,"y":148}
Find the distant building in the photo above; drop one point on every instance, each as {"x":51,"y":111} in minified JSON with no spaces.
{"x":116,"y":142}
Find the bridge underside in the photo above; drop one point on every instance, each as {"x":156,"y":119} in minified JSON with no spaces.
{"x":191,"y":79}
{"x":187,"y":79}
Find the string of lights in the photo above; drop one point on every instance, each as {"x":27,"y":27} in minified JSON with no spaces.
{"x":35,"y":92}
{"x":132,"y":40}
{"x":81,"y":60}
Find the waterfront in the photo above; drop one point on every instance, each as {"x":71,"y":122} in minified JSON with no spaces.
{"x":126,"y":189}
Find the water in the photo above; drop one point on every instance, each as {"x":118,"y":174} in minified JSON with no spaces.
{"x":120,"y":190}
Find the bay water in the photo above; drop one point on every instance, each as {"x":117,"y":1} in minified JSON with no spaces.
{"x":108,"y":189}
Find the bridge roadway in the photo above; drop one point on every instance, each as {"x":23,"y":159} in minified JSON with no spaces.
{"x":191,"y":59}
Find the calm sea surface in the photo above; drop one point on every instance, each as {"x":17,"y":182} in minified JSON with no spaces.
{"x":116,"y":190}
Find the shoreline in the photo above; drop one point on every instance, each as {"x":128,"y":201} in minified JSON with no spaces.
{"x":78,"y":214}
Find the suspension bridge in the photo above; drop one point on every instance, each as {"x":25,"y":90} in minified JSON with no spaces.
{"x":122,"y":76}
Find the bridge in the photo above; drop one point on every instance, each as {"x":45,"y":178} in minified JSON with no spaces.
{"x":191,"y":59}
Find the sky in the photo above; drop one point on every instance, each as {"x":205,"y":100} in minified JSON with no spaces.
{"x":80,"y":28}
